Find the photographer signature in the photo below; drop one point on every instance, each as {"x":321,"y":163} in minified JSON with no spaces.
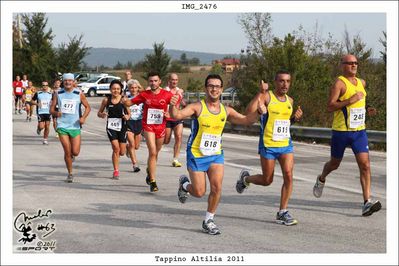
{"x":23,"y":224}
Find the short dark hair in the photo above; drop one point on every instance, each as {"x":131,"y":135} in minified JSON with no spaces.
{"x":281,"y":71}
{"x":213,"y":76}
{"x":116,"y":81}
{"x":153,"y":73}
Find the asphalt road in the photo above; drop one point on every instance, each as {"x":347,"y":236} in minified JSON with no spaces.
{"x":96,"y":214}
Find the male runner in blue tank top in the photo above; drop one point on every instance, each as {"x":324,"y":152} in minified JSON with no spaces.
{"x":69,"y":120}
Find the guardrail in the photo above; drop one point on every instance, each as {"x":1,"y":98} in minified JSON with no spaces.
{"x":299,"y":131}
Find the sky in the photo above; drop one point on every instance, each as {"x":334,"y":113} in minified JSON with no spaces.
{"x":218,"y":33}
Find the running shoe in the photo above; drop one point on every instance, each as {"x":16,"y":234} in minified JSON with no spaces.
{"x":136,"y":169}
{"x":30,"y":119}
{"x":210,"y":227}
{"x":153,"y":186}
{"x":115,"y":175}
{"x":45,"y":142}
{"x":20,"y":111}
{"x":241,"y":185}
{"x":69,"y":178}
{"x":318,"y":187}
{"x":38,"y":130}
{"x":285,"y":218}
{"x":176,"y":163}
{"x":182,"y":194}
{"x":370,"y":207}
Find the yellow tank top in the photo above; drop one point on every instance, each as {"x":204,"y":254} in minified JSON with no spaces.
{"x":351,"y":117}
{"x":28,"y":95}
{"x":276,"y":123}
{"x":206,"y":132}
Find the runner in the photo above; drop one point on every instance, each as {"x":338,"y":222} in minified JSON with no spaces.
{"x":117,"y":115}
{"x":275,"y":142}
{"x":173,"y":124}
{"x":27,"y":98}
{"x":68,"y":119}
{"x":134,"y":124}
{"x":204,"y":152}
{"x":43,"y":101}
{"x":156,"y":102}
{"x":17,"y":93}
{"x":348,"y":102}
{"x":56,"y":88}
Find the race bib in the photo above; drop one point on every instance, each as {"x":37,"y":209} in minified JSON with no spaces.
{"x":44,"y":104}
{"x":68,"y":106}
{"x":210,"y":144}
{"x":357,"y":117}
{"x":18,"y":89}
{"x":154,"y":116}
{"x":28,"y":97}
{"x":115,"y":123}
{"x":281,"y":130}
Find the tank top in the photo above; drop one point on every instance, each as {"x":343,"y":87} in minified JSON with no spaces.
{"x":69,"y":106}
{"x":28,"y":95}
{"x":44,"y":102}
{"x":115,"y":115}
{"x":275,"y":124}
{"x":206,"y":132}
{"x":136,"y":110}
{"x":351,"y":117}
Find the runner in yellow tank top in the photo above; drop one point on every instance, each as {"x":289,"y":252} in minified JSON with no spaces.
{"x":348,"y":102}
{"x":204,"y":147}
{"x":27,"y":98}
{"x":275,"y":143}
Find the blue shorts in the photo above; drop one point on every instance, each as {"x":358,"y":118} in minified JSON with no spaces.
{"x":202,"y":164}
{"x":275,"y":153}
{"x":357,"y":140}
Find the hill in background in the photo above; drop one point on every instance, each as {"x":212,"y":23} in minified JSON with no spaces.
{"x":110,"y":56}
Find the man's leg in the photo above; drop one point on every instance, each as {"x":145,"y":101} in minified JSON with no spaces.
{"x":215,"y":176}
{"x":46,"y":129}
{"x":152,"y":154}
{"x":266,"y":178}
{"x":168,"y":135}
{"x":363,"y":161}
{"x":178,"y":132}
{"x":287,"y":164}
{"x":66,"y":145}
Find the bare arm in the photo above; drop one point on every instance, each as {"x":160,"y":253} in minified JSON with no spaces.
{"x":188,"y":111}
{"x":54,"y":101}
{"x":336,"y":91}
{"x":236,"y":118}
{"x":86,"y":104}
{"x":264,"y":96}
{"x":100,"y":112}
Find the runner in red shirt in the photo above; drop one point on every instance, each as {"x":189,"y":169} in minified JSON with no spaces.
{"x":17,"y":93}
{"x":156,"y":101}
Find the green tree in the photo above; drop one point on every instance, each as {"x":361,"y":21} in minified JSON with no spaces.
{"x":70,"y":55}
{"x":384,"y":43}
{"x":216,"y":69}
{"x":194,"y":85}
{"x":257,"y":28}
{"x":158,"y":61}
{"x":38,"y":54}
{"x":183,"y":59}
{"x":118,"y":66}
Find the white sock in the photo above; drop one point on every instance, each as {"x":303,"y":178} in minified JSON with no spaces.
{"x":282,"y":211}
{"x":208,"y":216}
{"x":185,"y":185}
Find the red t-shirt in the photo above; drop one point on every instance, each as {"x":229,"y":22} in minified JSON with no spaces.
{"x":17,"y":85}
{"x":155,"y":106}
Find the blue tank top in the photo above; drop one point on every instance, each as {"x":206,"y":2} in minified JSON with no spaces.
{"x":69,"y":106}
{"x":44,"y":102}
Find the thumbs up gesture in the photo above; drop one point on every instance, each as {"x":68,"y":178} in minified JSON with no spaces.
{"x":174,"y":99}
{"x":261,"y":107}
{"x":264,"y":87}
{"x":298,"y":114}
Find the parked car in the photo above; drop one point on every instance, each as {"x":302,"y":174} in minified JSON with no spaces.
{"x":98,"y":85}
{"x":85,"y":76}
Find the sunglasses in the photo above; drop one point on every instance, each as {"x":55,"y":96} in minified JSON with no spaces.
{"x":351,"y":63}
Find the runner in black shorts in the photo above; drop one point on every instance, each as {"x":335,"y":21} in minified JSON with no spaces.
{"x":117,"y":115}
{"x":134,"y":125}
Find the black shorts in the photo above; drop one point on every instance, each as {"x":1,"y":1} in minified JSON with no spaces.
{"x":28,"y":103}
{"x":43,"y":117}
{"x":173,"y":124}
{"x":56,"y":109}
{"x":17,"y":97}
{"x":121,"y":136}
{"x":135,"y":126}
